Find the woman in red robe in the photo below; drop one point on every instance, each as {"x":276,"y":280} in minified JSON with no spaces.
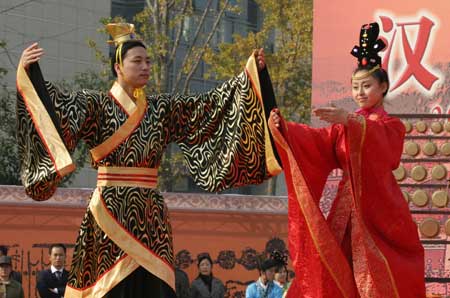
{"x":368,"y":246}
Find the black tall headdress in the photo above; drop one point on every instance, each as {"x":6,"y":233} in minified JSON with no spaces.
{"x":279,"y":258}
{"x":274,"y":259}
{"x":369,"y":47}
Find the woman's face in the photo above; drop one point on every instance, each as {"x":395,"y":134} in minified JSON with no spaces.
{"x":204,"y":267}
{"x":136,"y":67}
{"x":367,"y":92}
{"x":280,"y":276}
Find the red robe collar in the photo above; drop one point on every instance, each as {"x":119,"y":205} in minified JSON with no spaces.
{"x":372,"y":113}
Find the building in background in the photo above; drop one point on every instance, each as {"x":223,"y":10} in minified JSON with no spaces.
{"x":63,"y":27}
{"x":249,"y":19}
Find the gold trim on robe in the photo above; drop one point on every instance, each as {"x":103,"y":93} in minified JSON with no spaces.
{"x":44,"y":125}
{"x":133,"y":121}
{"x":122,"y":98}
{"x":130,"y":245}
{"x":272,"y":164}
{"x":340,"y":214}
{"x":120,"y":270}
{"x":370,"y":265}
{"x":324,"y":241}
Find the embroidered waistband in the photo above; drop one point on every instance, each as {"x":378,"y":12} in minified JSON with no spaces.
{"x":127,"y":176}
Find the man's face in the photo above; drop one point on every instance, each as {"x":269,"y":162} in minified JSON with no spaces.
{"x":136,"y":67}
{"x":269,"y":274}
{"x":57,"y":257}
{"x":5,"y":271}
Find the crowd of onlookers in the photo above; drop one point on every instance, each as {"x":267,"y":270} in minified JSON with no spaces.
{"x":271,"y":283}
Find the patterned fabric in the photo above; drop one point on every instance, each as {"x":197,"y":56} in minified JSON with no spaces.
{"x":221,"y":134}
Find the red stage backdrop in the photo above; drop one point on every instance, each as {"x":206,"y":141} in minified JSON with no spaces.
{"x":417,"y":55}
{"x":417,"y":58}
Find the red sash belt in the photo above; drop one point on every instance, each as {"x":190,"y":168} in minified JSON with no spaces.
{"x":127,"y":176}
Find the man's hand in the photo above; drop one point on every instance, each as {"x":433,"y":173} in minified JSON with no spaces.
{"x":260,"y":60}
{"x":276,"y":117}
{"x":31,"y":54}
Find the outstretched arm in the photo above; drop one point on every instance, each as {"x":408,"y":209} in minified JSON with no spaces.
{"x":50,"y":124}
{"x":332,"y":115}
{"x":223,"y":132}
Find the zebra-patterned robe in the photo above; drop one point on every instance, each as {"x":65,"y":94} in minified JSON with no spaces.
{"x":126,"y":230}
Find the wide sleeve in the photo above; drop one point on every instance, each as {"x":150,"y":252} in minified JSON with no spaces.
{"x":49,"y":125}
{"x":224,"y":134}
{"x":374,"y":151}
{"x":381,"y":134}
{"x":308,"y":155}
{"x":315,"y":152}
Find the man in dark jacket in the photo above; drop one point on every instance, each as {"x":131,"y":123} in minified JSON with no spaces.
{"x":51,"y":283}
{"x":182,"y":284}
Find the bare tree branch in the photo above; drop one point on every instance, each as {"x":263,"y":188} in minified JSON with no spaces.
{"x":192,"y":44}
{"x":178,"y":34}
{"x":205,"y":45}
{"x":171,"y":4}
{"x":200,"y":25}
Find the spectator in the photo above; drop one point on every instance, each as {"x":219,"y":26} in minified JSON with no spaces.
{"x":51,"y":283}
{"x":281,"y":277}
{"x":280,"y":270}
{"x":9,"y":288}
{"x":264,"y":287}
{"x":17,"y":276}
{"x":182,"y":284}
{"x":291,"y":275}
{"x":206,"y":285}
{"x":289,"y":280}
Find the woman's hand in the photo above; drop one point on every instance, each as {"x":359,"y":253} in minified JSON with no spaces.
{"x":260,"y":60}
{"x":332,"y":115}
{"x":275,"y":115}
{"x":31,"y":54}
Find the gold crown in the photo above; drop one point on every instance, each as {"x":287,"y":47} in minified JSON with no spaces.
{"x":120,"y":32}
